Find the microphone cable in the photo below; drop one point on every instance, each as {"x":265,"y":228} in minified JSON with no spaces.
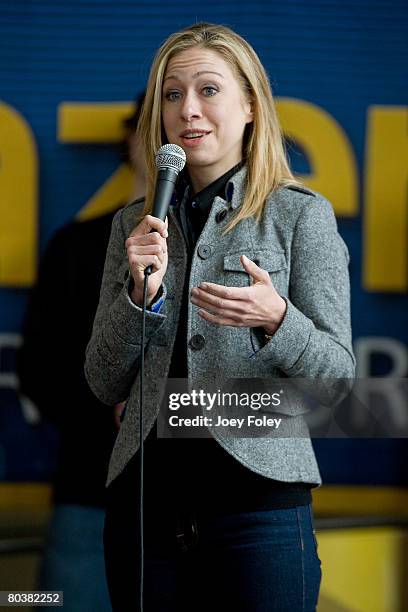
{"x":170,"y":160}
{"x":147,"y":273}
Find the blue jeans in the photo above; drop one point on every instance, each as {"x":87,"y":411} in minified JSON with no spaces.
{"x":73,"y":559}
{"x":247,"y":562}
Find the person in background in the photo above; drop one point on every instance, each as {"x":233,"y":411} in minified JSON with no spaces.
{"x":50,"y":371}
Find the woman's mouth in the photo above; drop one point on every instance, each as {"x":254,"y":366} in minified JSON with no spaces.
{"x":192,"y":138}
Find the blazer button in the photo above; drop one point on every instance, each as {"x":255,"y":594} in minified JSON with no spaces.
{"x":197,"y":342}
{"x":204,"y":251}
{"x":220,"y":216}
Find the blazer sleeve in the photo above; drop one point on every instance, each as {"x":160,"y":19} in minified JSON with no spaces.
{"x":113,"y":353}
{"x":314,"y":339}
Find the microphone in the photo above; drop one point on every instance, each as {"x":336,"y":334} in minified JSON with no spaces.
{"x":170,"y":160}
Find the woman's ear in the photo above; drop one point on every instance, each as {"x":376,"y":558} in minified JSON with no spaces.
{"x":249,"y":109}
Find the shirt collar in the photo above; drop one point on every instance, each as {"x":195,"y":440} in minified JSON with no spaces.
{"x":204,"y":198}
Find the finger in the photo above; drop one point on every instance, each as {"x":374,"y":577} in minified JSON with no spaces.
{"x":217,"y":320}
{"x":217,"y":304}
{"x":224,"y":314}
{"x":164,"y":233}
{"x":149,"y":249}
{"x":228,"y":293}
{"x":136,"y":252}
{"x":151,"y":238}
{"x":149,"y":223}
{"x":140,"y":262}
{"x":258,"y":274}
{"x":139,"y":252}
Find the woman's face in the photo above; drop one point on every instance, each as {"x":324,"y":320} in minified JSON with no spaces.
{"x":205,"y":112}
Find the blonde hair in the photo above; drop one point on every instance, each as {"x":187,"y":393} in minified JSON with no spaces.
{"x":264,"y":153}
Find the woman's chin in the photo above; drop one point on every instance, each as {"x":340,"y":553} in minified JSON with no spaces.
{"x":198,"y":159}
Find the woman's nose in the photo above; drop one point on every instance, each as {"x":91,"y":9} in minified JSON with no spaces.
{"x":191,"y":108}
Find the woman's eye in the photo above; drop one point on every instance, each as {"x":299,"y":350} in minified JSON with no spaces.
{"x":210,"y":91}
{"x":172,"y":95}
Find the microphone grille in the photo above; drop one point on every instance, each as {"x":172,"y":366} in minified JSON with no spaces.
{"x":170,"y":156}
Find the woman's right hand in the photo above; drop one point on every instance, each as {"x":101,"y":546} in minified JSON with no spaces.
{"x":145,"y":248}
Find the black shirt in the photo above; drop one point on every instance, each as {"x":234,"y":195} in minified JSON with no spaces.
{"x":192,"y":213}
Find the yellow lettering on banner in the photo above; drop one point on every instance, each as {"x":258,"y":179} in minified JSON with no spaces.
{"x":18,"y":203}
{"x":329,"y":152}
{"x":115,"y":191}
{"x":94,"y":122}
{"x":98,"y":123}
{"x":386,"y":207}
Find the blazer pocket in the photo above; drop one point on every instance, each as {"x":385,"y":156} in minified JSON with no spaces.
{"x":234,"y":273}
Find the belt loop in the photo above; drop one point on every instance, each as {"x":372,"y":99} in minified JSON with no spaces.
{"x":186,"y":532}
{"x":181,"y":542}
{"x":194,"y":531}
{"x":180,"y":534}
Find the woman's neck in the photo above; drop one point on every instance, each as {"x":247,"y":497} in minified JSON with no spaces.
{"x":200,"y":178}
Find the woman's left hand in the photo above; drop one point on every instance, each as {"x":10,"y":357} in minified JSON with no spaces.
{"x":258,"y":305}
{"x":117,"y":413}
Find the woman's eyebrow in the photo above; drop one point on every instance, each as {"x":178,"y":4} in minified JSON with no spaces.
{"x":197,"y":74}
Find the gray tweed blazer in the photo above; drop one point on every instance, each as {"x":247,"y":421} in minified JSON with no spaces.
{"x":298,"y":244}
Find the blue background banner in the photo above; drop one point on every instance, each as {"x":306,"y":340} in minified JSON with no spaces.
{"x":339,"y":71}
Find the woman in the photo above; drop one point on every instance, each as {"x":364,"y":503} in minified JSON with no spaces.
{"x":250,"y":280}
